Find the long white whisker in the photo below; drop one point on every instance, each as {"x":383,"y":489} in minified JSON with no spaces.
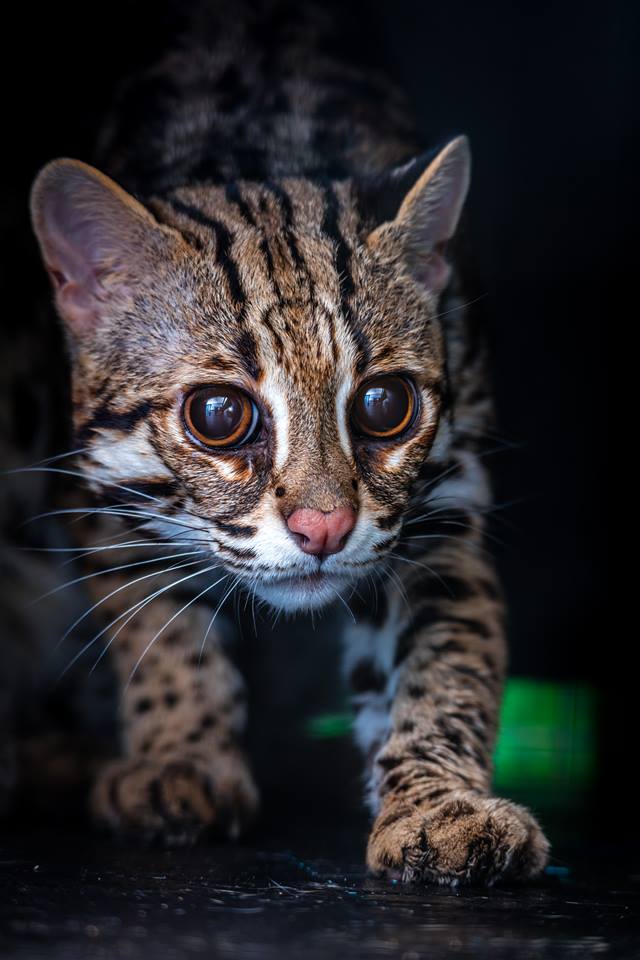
{"x":124,"y":586}
{"x":104,"y":540}
{"x":59,"y":456}
{"x":425,"y":566}
{"x":345,"y":604}
{"x":122,"y":566}
{"x":116,"y":511}
{"x":78,"y":473}
{"x":133,"y":610}
{"x":81,"y":552}
{"x":170,"y":621}
{"x":397,"y":579}
{"x":170,"y":541}
{"x":461,"y":306}
{"x":234,"y":584}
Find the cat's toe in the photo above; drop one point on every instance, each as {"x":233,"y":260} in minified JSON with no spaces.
{"x":174,"y":801}
{"x":465,"y":839}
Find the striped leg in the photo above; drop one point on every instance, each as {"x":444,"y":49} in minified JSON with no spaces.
{"x":427,"y":683}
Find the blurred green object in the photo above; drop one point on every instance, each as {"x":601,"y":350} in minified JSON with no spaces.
{"x":546,"y":750}
{"x":546,"y":747}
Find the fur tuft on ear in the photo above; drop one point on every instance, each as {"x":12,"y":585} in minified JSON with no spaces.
{"x":430,"y":211}
{"x":92,"y":235}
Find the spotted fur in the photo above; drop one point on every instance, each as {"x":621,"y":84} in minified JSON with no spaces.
{"x":273,"y":224}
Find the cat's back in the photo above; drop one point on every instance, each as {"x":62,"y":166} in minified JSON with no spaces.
{"x":257,"y":91}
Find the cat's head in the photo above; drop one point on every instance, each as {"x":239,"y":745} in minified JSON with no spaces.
{"x":261,"y":363}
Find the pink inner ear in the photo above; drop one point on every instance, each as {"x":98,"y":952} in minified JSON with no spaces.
{"x":431,"y":210}
{"x":77,"y":304}
{"x":92,"y":235}
{"x":57,"y":276}
{"x":432,"y":270}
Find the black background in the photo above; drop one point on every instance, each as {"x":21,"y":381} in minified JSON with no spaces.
{"x":542,"y":91}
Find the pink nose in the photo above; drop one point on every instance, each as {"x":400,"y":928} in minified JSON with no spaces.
{"x":321,"y":533}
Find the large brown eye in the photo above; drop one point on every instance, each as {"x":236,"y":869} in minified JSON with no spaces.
{"x":220,"y":416}
{"x":384,"y":407}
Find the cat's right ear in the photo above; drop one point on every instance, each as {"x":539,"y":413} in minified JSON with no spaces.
{"x":95,"y":239}
{"x":428,"y":194}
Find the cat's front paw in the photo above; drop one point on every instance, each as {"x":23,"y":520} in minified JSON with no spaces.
{"x":175,"y":800}
{"x":465,"y":839}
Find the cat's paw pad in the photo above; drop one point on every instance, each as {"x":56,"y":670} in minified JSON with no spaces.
{"x":465,"y":839}
{"x":175,"y":800}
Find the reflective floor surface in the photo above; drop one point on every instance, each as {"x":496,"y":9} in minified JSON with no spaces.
{"x":305,"y":894}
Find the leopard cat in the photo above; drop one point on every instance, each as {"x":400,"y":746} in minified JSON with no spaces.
{"x":277,"y":389}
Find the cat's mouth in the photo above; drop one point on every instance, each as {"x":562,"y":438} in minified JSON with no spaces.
{"x":302,"y":591}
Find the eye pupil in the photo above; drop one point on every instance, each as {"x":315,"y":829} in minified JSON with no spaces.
{"x":220,"y":416}
{"x":375,"y":395}
{"x":384,"y":407}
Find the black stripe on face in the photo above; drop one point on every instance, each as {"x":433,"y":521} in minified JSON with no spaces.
{"x":227,"y":553}
{"x":107,"y":419}
{"x":286,"y":208}
{"x":153,"y":488}
{"x":363,"y":345}
{"x":233,"y":195}
{"x":331,"y":228}
{"x":160,"y":489}
{"x":390,"y":520}
{"x":344,"y":254}
{"x":235,"y":529}
{"x":247,"y":349}
{"x":223,"y":246}
{"x":266,"y":320}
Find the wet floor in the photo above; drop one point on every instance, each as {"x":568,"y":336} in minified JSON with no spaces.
{"x":80,"y":896}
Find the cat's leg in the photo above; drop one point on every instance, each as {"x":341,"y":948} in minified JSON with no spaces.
{"x":183,"y":713}
{"x":427,"y":683}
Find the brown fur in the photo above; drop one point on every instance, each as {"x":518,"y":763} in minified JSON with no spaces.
{"x":296,"y":287}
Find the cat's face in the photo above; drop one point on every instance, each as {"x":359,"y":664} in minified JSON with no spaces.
{"x":258,"y":361}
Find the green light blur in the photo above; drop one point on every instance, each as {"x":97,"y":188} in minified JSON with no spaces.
{"x":546,"y":749}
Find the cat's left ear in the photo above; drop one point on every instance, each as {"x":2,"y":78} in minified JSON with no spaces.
{"x":429,"y":213}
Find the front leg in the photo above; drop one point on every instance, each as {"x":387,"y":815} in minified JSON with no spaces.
{"x":427,"y":685}
{"x":182,"y":713}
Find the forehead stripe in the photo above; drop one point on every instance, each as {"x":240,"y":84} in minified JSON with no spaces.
{"x":233,"y":195}
{"x":344,"y":255}
{"x":223,"y":246}
{"x":331,"y":228}
{"x":284,"y":202}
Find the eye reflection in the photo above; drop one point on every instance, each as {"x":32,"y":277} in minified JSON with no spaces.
{"x":220,"y":416}
{"x":384,"y":407}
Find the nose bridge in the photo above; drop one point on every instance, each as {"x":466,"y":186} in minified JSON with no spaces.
{"x":319,"y":474}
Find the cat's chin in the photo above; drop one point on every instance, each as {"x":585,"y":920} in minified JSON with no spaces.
{"x":301,"y":593}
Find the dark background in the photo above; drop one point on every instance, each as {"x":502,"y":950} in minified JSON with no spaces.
{"x":543,"y":92}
